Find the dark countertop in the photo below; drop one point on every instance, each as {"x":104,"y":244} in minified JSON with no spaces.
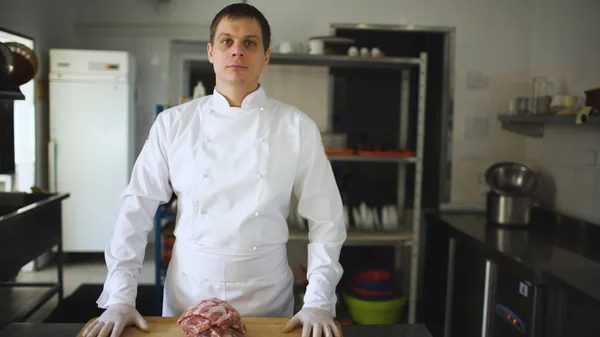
{"x":41,"y":329}
{"x":72,"y":329}
{"x":585,"y":282}
{"x":397,"y":330}
{"x":555,"y":246}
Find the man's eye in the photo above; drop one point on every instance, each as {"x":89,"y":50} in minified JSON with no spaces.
{"x":250,"y":43}
{"x":226,"y":41}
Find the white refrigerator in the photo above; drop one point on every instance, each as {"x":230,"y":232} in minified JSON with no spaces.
{"x":91,"y":140}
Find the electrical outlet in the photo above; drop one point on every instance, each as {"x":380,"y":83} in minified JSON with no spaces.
{"x":477,"y":80}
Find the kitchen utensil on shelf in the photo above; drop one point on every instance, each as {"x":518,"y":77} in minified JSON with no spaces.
{"x":330,"y":45}
{"x":541,"y":96}
{"x":376,"y":52}
{"x":519,"y":105}
{"x":539,"y":86}
{"x":353,"y":51}
{"x":286,"y":47}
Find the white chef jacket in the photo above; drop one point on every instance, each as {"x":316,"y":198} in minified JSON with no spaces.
{"x":233,"y":170}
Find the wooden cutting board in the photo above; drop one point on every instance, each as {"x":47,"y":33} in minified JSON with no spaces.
{"x":167,"y":327}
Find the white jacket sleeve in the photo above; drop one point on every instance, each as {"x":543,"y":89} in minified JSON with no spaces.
{"x":319,"y":202}
{"x":149,"y":186}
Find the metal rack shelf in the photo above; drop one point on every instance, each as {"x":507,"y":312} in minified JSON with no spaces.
{"x":344,"y":61}
{"x":533,"y":126}
{"x":378,"y":159}
{"x":400,"y":237}
{"x":567,"y":119}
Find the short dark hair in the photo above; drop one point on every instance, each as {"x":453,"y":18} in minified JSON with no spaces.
{"x":241,"y":10}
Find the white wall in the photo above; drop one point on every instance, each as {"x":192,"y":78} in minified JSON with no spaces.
{"x":564,"y":31}
{"x":569,"y":56}
{"x":484,"y":42}
{"x":498,"y":39}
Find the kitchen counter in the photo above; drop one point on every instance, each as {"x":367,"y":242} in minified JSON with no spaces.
{"x":41,"y":329}
{"x":585,"y":282}
{"x":22,"y":214}
{"x":72,"y":329}
{"x":398,"y":330}
{"x":555,"y":246}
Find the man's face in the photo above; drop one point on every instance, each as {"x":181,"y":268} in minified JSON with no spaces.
{"x":237,"y":53}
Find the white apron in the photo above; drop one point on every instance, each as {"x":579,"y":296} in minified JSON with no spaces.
{"x":256,"y":284}
{"x":223,"y":255}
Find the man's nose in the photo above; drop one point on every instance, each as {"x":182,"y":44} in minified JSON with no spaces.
{"x":238,"y":49}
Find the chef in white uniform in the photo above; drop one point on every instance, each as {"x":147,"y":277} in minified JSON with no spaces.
{"x":233,"y":159}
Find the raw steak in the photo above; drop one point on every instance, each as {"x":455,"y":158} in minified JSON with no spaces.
{"x":211,"y":318}
{"x":194,"y":326}
{"x":218,"y":332}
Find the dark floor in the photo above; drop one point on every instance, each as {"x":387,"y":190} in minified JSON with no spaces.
{"x":81,"y":306}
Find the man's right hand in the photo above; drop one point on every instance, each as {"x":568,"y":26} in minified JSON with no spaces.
{"x":114,"y":319}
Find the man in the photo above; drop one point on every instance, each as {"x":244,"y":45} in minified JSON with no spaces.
{"x":233,"y":159}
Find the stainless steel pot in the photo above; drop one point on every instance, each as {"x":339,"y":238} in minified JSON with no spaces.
{"x":508,"y":210}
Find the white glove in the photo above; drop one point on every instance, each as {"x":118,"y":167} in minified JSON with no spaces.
{"x":115,"y":318}
{"x":318,"y":320}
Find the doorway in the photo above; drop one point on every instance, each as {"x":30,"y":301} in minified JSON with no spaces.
{"x":410,"y":41}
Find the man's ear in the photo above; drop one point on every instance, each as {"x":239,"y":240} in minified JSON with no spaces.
{"x":267,"y":58}
{"x":209,"y":50}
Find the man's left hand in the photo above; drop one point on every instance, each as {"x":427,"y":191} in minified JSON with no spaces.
{"x":319,"y":321}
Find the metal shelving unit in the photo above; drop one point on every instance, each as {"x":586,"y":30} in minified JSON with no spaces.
{"x":373,"y":159}
{"x":342,"y":61}
{"x":360,"y":238}
{"x":549,"y":119}
{"x":409,"y":230}
{"x":533,"y":125}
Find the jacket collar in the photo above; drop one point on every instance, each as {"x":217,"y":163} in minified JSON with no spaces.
{"x":255,"y":99}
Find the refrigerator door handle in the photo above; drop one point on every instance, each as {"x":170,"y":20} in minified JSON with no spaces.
{"x":488,"y":302}
{"x":52,"y":166}
{"x":449,"y":287}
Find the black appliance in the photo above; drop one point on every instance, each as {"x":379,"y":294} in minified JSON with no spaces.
{"x":573,"y":303}
{"x":490,"y":297}
{"x":474,"y":285}
{"x":516,"y":303}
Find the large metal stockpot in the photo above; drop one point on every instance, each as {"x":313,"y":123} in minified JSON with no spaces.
{"x":508,"y":211}
{"x":510,"y":200}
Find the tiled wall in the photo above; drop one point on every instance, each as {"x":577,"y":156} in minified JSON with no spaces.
{"x":294,"y":85}
{"x":568,"y":154}
{"x":304,"y":87}
{"x":472,"y":155}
